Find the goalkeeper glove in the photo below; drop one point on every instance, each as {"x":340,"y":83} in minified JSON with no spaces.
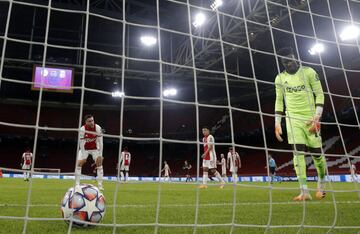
{"x":315,"y":124}
{"x":278,"y":132}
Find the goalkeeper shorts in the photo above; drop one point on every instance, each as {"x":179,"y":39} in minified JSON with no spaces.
{"x":298,"y":132}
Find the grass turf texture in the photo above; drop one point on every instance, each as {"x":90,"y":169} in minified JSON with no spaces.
{"x":137,"y":204}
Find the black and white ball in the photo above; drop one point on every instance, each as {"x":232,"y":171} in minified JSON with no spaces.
{"x":85,"y":202}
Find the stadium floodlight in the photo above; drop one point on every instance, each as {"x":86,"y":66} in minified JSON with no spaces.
{"x":117,"y":94}
{"x":349,"y":33}
{"x":318,"y":48}
{"x":216,"y":4}
{"x":169,"y":92}
{"x":199,"y":20}
{"x":148,"y":40}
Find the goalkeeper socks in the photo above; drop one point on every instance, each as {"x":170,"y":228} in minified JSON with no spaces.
{"x":100,"y":174}
{"x":321,"y":184}
{"x":217,"y":174}
{"x":126,"y":176}
{"x":77,"y":175}
{"x":300,"y":169}
{"x":320,"y":165}
{"x":205,"y":177}
{"x":121,"y":175}
{"x":304,"y":189}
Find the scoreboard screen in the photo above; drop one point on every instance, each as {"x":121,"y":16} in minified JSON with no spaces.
{"x":53,"y":79}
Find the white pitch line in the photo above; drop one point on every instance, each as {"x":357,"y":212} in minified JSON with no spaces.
{"x":193,"y":205}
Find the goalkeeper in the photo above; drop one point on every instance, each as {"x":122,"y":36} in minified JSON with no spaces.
{"x":301,"y":89}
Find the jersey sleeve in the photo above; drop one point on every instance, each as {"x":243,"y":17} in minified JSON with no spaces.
{"x":211,"y":140}
{"x":279,"y":102}
{"x":315,"y":84}
{"x":99,"y":139}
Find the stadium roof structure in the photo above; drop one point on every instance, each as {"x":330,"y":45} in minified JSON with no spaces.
{"x":28,"y":23}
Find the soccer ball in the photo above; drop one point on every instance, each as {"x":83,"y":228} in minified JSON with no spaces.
{"x":85,"y":202}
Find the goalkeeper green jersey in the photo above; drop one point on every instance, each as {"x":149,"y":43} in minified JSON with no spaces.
{"x":299,"y":90}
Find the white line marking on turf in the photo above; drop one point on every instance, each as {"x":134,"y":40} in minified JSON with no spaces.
{"x":193,"y":205}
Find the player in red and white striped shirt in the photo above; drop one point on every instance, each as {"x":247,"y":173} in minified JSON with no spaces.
{"x":91,"y":142}
{"x":26,"y":163}
{"x":209,"y":158}
{"x":234,"y":162}
{"x":125,"y":160}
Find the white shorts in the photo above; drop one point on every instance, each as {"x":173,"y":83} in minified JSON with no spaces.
{"x":94,"y":154}
{"x":166,"y":174}
{"x":124,"y":168}
{"x":233,"y":169}
{"x":209,"y":164}
{"x":223,"y":171}
{"x":26,"y":166}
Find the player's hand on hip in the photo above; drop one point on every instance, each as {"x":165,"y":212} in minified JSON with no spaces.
{"x":278,"y":132}
{"x":314,"y":124}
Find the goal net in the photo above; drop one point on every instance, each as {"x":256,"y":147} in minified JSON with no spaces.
{"x":154,"y":74}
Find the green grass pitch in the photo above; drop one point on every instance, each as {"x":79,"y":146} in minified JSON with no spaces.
{"x":137,"y":204}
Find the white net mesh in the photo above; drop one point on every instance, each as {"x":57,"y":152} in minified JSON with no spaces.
{"x":222,"y":58}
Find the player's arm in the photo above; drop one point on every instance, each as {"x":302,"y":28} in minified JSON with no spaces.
{"x":122,"y":158}
{"x":239,"y":160}
{"x":22,"y":160}
{"x":228,"y":161}
{"x":317,"y":90}
{"x":82,"y":139}
{"x":99,"y":139}
{"x":129,"y":158}
{"x":279,"y":107}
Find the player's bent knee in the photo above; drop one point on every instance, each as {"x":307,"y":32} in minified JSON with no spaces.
{"x":99,"y":161}
{"x":81,"y":162}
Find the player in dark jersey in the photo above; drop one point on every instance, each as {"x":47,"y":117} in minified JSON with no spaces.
{"x":187,"y":167}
